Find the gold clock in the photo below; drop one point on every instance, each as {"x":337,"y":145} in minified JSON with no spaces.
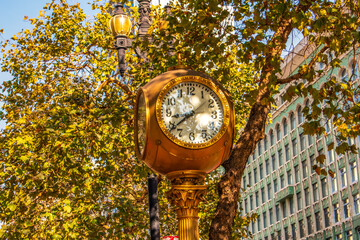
{"x":192,"y":112}
{"x":184,"y":121}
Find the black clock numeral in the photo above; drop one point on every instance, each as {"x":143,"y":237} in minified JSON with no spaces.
{"x":180,"y":93}
{"x":190,"y":90}
{"x":204,"y":133}
{"x":192,"y":136}
{"x":214,"y":114}
{"x":202,"y":94}
{"x":168,"y":112}
{"x":211,"y":103}
{"x":172,"y":125}
{"x":212,"y":125}
{"x":179,"y":131}
{"x":171,"y":101}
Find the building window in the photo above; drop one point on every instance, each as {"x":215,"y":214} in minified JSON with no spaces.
{"x":278,"y":132}
{"x":261,"y":171}
{"x":273,"y":161}
{"x":315,"y":192}
{"x":309,"y":225}
{"x":304,"y":169}
{"x":331,"y":155}
{"x":297,"y":174}
{"x":312,"y":163}
{"x":245,"y":205}
{"x":267,"y":166}
{"x":327,"y":124}
{"x":251,"y":203}
{"x":284,"y":210}
{"x":285,"y":127}
{"x":265,"y":144}
{"x":346,"y":207}
{"x":333,"y":182}
{"x":262,"y":195}
{"x":354,"y":71}
{"x":353,"y":172}
{"x":250,"y":180}
{"x":317,"y":221}
{"x":259,"y":224}
{"x":244,"y":181}
{"x":269,"y":191}
{"x":286,"y":233}
{"x":291,"y":202}
{"x":327,"y":217}
{"x":310,"y":139}
{"x":324,"y":187}
{"x":292,"y":121}
{"x":294,"y":147}
{"x":336,"y":212}
{"x":255,"y":176}
{"x":343,"y":177}
{"x":257,"y":199}
{"x":302,"y":228}
{"x":282,"y":182}
{"x":289,"y":177}
{"x":272,"y":138}
{"x":299,"y":202}
{"x":264,"y":220}
{"x":277,"y":207}
{"x":302,"y":142}
{"x":275,"y":185}
{"x":307,"y":196}
{"x":300,"y":115}
{"x":280,"y":157}
{"x":343,"y":76}
{"x":287,"y":152}
{"x":349,"y":235}
{"x":271,"y":216}
{"x":259,"y":148}
{"x":293,"y":231}
{"x":356,"y":198}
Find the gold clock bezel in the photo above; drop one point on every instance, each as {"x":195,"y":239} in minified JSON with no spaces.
{"x":215,"y":89}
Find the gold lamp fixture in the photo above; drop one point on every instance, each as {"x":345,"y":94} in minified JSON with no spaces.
{"x":120,"y":23}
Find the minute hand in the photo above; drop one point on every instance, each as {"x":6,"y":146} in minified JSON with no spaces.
{"x":187,"y":115}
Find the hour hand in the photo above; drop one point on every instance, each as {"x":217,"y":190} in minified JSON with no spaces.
{"x":177,"y":115}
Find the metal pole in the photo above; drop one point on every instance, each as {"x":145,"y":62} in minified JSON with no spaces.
{"x":153,"y":207}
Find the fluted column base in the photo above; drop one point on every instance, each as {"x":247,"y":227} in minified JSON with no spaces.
{"x":186,"y":195}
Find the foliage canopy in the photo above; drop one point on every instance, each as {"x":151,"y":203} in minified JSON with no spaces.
{"x":69,"y":169}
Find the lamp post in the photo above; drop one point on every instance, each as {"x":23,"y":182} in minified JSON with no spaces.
{"x":120,"y":26}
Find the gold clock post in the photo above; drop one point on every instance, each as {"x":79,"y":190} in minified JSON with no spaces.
{"x":184,"y":129}
{"x":186,"y":193}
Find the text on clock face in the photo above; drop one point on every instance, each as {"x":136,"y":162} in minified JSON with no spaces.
{"x":192,"y":112}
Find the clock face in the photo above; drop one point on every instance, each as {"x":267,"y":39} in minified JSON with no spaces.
{"x":191,"y":112}
{"x":141,"y":123}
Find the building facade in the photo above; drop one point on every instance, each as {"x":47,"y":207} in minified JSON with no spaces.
{"x":290,"y":198}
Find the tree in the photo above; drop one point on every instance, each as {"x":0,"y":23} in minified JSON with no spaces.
{"x":67,"y":150}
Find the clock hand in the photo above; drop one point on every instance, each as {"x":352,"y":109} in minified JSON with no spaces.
{"x":200,"y":106}
{"x":187,"y":115}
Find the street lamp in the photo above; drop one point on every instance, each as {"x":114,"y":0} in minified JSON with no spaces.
{"x":120,"y":26}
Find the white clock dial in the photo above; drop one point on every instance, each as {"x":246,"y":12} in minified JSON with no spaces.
{"x":192,"y":112}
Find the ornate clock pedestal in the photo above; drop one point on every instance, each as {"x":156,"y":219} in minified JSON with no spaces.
{"x":186,"y":194}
